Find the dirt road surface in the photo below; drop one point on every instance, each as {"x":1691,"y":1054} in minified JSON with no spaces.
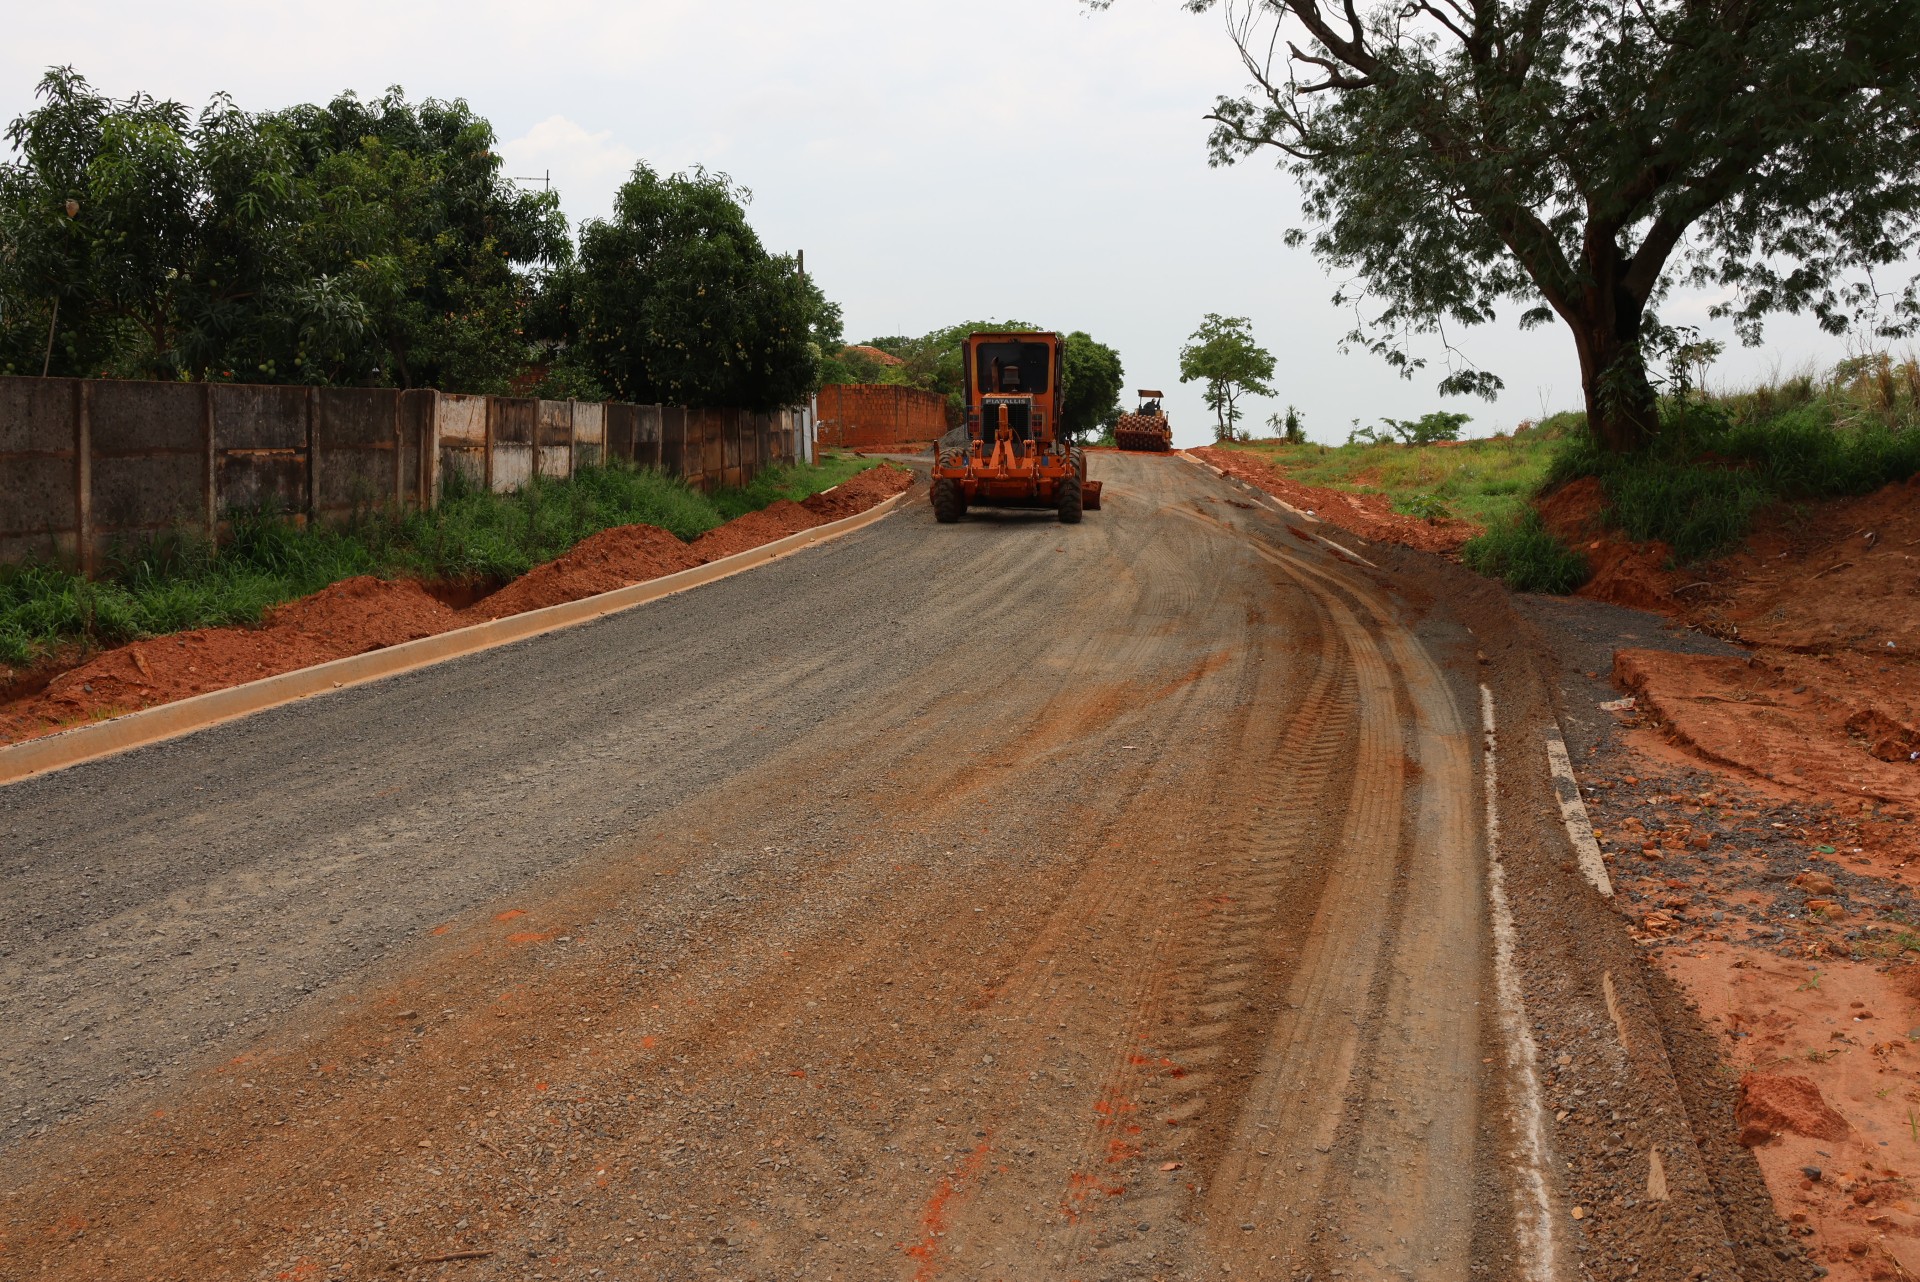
{"x":1005,"y":900}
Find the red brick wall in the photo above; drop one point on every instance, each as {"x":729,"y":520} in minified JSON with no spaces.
{"x":878,"y":416}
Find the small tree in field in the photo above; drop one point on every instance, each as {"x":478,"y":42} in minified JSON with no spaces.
{"x":1578,"y":157}
{"x":1222,"y":354}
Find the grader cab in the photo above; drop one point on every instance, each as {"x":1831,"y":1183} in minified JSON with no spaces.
{"x":1014,"y":453}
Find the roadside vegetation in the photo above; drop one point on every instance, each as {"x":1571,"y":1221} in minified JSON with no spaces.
{"x":1719,"y":459}
{"x":1484,"y":481}
{"x":180,"y":581}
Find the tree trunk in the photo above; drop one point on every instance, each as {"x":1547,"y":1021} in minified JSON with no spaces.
{"x":1622,"y":411}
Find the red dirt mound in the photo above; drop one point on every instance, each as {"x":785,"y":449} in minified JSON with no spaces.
{"x":774,"y":521}
{"x":858,"y":492}
{"x":1629,"y":574}
{"x":610,"y":559}
{"x":1772,"y":1105}
{"x":363,"y":613}
{"x":349,"y":617}
{"x":1370,"y":516}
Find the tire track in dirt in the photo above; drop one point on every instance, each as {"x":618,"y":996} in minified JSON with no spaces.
{"x":875,"y":1003}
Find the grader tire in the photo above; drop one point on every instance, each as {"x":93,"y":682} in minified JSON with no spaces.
{"x":949,"y":505}
{"x":1069,"y":501}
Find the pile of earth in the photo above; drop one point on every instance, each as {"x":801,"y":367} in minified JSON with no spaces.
{"x":1371,"y":516}
{"x":365,"y":613}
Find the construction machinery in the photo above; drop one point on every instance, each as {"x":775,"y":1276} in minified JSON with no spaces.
{"x":1146,"y":428}
{"x":1012,"y":452}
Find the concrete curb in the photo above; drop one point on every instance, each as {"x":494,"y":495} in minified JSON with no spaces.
{"x":171,"y":720}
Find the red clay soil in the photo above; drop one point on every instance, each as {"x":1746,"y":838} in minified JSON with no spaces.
{"x":858,"y":492}
{"x":775,"y":521}
{"x":365,"y":613}
{"x":1825,"y":597}
{"x":1820,"y":719}
{"x":610,"y":559}
{"x":1370,"y":516}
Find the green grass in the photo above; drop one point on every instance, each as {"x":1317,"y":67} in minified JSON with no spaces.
{"x":794,"y":482}
{"x":1718,"y":461}
{"x":1521,"y":552}
{"x":1484,"y":481}
{"x":180,"y":581}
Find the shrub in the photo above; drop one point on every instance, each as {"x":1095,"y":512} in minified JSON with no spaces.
{"x":1525,"y":555}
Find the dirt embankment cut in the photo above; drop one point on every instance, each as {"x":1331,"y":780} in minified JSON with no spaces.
{"x":1370,"y":516}
{"x":1759,"y":819}
{"x":1825,"y":597}
{"x":363,"y":614}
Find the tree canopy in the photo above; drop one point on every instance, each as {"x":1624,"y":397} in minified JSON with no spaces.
{"x":356,"y":242}
{"x":678,"y":301}
{"x":1579,"y":158}
{"x":1223,"y":355}
{"x":376,"y":242}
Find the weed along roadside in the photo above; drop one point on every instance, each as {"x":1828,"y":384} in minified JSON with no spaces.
{"x":602,"y":529}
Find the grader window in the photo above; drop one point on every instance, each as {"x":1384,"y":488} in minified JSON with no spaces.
{"x":1012,"y":367}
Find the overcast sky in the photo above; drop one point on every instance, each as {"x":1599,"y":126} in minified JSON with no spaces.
{"x":938,"y":160}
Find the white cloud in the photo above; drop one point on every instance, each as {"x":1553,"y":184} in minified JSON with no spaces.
{"x":578,"y":160}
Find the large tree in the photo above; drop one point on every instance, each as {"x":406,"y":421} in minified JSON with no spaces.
{"x":679,"y":301}
{"x":1579,"y":157}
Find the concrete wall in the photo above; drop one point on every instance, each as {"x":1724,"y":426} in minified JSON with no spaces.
{"x":86,"y":464}
{"x":879,"y":416}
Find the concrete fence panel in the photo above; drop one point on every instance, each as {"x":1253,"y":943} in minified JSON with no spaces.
{"x":460,"y":433}
{"x":88,"y":463}
{"x":148,"y":454}
{"x":512,"y":423}
{"x":646,"y":435}
{"x":553,"y":428}
{"x":39,"y":459}
{"x":589,"y":433}
{"x":619,"y":423}
{"x":259,"y":448}
{"x":356,"y":443}
{"x":673,"y":440}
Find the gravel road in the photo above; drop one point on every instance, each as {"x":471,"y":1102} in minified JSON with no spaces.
{"x":1000,"y":900}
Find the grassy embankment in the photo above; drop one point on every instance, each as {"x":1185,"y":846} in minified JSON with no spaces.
{"x":1719,"y":460}
{"x":180,"y":581}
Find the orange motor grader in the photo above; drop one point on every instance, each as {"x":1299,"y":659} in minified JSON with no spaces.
{"x":1014,"y":453}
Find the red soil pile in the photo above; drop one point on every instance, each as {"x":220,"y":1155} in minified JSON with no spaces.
{"x":610,"y":559}
{"x":1370,"y":516}
{"x":361,"y":614}
{"x":349,"y":617}
{"x":1773,"y":1105}
{"x":1817,"y":728}
{"x":858,"y":492}
{"x":774,"y":521}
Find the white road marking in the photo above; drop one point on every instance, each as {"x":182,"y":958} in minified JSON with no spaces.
{"x":1534,"y":1209}
{"x":1573,"y":812}
{"x":1347,"y":552}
